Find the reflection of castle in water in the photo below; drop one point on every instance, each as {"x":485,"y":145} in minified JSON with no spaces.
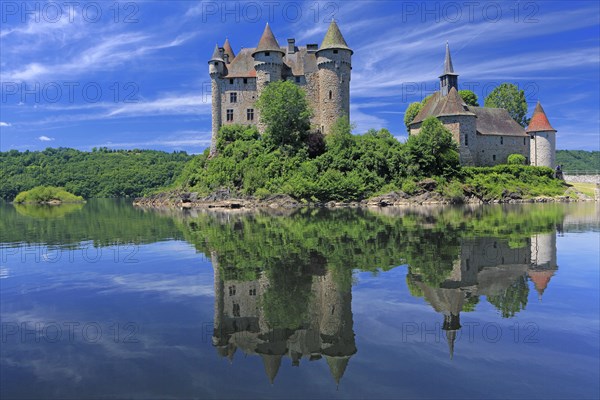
{"x":490,"y":267}
{"x":326,"y":330}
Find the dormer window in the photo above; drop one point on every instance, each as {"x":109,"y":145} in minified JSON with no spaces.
{"x":231,"y":81}
{"x":245,"y":80}
{"x":335,"y":52}
{"x":267,"y":53}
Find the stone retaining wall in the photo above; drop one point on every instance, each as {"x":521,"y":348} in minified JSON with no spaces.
{"x":583,"y":178}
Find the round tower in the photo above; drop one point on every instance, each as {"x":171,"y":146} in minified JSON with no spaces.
{"x":334,"y":61}
{"x":216,"y":70}
{"x":542,"y":147}
{"x":268,"y":63}
{"x":268,"y":59}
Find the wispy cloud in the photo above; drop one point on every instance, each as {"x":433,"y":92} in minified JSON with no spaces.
{"x":5,"y":124}
{"x":45,"y":139}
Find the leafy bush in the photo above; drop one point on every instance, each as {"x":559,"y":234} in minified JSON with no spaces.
{"x":516,"y":159}
{"x":44,"y":194}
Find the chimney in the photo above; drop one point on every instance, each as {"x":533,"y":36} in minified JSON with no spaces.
{"x":226,"y":58}
{"x":222,"y":52}
{"x":291,"y":46}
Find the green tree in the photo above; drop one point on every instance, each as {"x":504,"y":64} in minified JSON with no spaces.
{"x":433,"y":150}
{"x":411,"y":112}
{"x":509,"y":97}
{"x":469,"y":97}
{"x":285,"y":112}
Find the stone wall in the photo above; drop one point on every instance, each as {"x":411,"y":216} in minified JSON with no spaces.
{"x":495,"y":149}
{"x":245,"y":89}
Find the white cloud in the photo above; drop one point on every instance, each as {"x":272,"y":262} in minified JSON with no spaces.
{"x":4,"y":124}
{"x":45,"y":139}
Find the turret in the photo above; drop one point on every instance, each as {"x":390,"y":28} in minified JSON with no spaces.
{"x":268,"y":59}
{"x":448,"y":79}
{"x":543,"y":139}
{"x":216,"y":69}
{"x":334,"y":61}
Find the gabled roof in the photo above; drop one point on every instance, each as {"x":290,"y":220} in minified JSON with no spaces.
{"x":333,"y":38}
{"x":300,"y":63}
{"x":228,"y":50}
{"x":496,"y":121}
{"x":216,"y":56}
{"x":268,"y":42}
{"x":439,"y":106}
{"x":242,"y":66}
{"x":539,"y":121}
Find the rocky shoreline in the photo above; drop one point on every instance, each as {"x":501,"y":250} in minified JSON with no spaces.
{"x":426,"y":195}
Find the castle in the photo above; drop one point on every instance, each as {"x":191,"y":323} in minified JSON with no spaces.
{"x":323,"y":72}
{"x":487,"y":136}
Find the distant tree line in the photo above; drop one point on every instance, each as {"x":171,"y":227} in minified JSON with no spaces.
{"x":101,"y":173}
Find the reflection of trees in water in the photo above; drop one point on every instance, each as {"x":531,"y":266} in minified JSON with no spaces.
{"x":43,"y":211}
{"x":513,"y":299}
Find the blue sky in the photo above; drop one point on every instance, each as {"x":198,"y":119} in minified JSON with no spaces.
{"x":135,"y":74}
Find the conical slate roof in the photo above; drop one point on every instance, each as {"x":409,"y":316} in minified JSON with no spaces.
{"x":228,"y":50}
{"x":334,"y":39}
{"x":337,"y":366}
{"x":539,"y":121}
{"x":272,"y":364}
{"x":216,"y":55}
{"x":448,"y":67}
{"x":268,"y":42}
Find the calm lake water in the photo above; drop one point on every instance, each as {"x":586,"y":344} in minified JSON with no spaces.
{"x":104,"y":300}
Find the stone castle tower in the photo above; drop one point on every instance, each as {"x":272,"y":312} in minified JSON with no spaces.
{"x":322,"y":71}
{"x":543,"y":139}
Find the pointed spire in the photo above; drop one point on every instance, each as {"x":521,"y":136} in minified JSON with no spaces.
{"x":228,"y":50}
{"x":539,"y":121}
{"x":337,"y":366}
{"x":268,"y":42}
{"x":449,"y":79}
{"x":448,"y":67}
{"x":216,"y":54}
{"x":333,"y":38}
{"x":272,"y":364}
{"x":451,"y":337}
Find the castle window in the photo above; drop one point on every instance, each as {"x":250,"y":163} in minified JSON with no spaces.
{"x":466,"y":140}
{"x":468,"y":264}
{"x":245,"y":80}
{"x":297,"y":79}
{"x":233,"y":97}
{"x":267,"y":53}
{"x":501,"y":140}
{"x":232,"y":290}
{"x":335,"y":52}
{"x":330,"y":95}
{"x":236,"y":310}
{"x":252,"y":292}
{"x":250,"y":114}
{"x":231,"y":81}
{"x":524,"y":141}
{"x":229,"y":115}
{"x":493,"y":157}
{"x":526,"y":160}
